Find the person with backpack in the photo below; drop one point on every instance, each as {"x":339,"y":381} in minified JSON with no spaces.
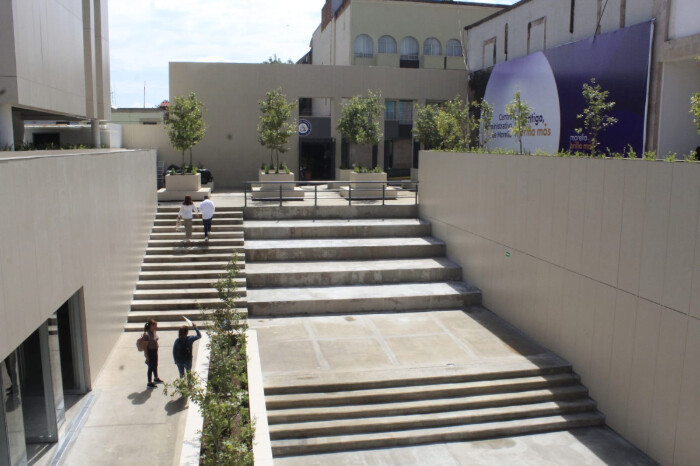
{"x":182,"y":349}
{"x":149,"y":343}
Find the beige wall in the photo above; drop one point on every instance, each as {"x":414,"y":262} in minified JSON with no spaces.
{"x":231,"y":93}
{"x":72,"y":221}
{"x":604,"y":270}
{"x":154,"y":137}
{"x":557,"y":25}
{"x":44,"y":57}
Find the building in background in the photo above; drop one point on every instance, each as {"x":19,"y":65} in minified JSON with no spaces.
{"x":54,"y":66}
{"x":650,"y":70}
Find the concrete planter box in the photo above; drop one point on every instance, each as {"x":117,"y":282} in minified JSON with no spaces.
{"x":183,"y":182}
{"x":379,"y":178}
{"x":342,"y":178}
{"x":372,"y":190}
{"x":272,"y":190}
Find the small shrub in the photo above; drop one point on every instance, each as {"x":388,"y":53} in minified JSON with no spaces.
{"x":671,"y":157}
{"x":649,"y":155}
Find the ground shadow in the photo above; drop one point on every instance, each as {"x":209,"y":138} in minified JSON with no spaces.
{"x":140,"y":398}
{"x":173,"y":407}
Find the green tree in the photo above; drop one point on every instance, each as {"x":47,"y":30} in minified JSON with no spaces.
{"x":360,"y":118}
{"x":275,"y":59}
{"x":519,"y":112}
{"x":427,"y":127}
{"x":595,"y":115}
{"x":485,"y":111}
{"x":185,"y":124}
{"x":274,"y":127}
{"x":695,"y":109}
{"x":459,"y":124}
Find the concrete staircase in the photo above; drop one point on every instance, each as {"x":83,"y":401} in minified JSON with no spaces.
{"x":370,"y":263}
{"x":176,"y":278}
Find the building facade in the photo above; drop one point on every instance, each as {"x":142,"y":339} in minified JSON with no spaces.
{"x":54,"y":65}
{"x":531,"y":26}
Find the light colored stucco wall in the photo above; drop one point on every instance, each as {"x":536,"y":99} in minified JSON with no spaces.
{"x":604,"y":270}
{"x":419,"y":20}
{"x":558,"y":20}
{"x":43,"y":56}
{"x":75,"y":220}
{"x":155,"y":137}
{"x":678,"y":133}
{"x":684,"y":19}
{"x":231,"y":92}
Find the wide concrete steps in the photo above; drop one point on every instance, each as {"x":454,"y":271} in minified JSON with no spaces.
{"x":453,"y":433}
{"x":426,"y":406}
{"x":178,"y":279}
{"x":419,"y":392}
{"x":178,"y":276}
{"x":185,"y":282}
{"x":341,"y":249}
{"x":408,"y":413}
{"x":205,"y":264}
{"x":197,"y":235}
{"x":207,"y":250}
{"x":348,"y":272}
{"x":361,"y":298}
{"x":183,"y":293}
{"x":350,"y":228}
{"x":175,"y":316}
{"x":212,"y":243}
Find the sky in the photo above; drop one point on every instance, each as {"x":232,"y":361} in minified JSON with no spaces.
{"x":144,"y":35}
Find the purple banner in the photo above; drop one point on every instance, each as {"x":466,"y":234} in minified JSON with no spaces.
{"x":551,"y":82}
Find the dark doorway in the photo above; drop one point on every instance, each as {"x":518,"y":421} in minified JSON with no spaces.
{"x":316,"y":160}
{"x":46,"y":140}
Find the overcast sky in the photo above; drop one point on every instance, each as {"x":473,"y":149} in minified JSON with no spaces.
{"x":147,"y":34}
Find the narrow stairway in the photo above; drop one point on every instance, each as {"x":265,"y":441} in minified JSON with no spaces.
{"x":329,"y":266}
{"x":177,"y":279}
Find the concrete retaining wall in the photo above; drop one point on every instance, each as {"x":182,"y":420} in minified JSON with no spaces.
{"x":73,"y":221}
{"x":597,"y":259}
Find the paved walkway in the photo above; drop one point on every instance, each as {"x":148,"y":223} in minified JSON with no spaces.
{"x":351,"y":348}
{"x":128,"y":423}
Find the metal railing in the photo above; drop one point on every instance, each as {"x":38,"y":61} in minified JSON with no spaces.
{"x":320,"y":191}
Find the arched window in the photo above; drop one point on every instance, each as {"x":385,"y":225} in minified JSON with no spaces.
{"x":364,"y":47}
{"x":454,"y":48}
{"x":409,"y":48}
{"x":386,"y":44}
{"x":432,"y":46}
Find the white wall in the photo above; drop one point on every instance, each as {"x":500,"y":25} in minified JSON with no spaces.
{"x":43,"y":58}
{"x":684,"y":20}
{"x":558,"y":20}
{"x":604,"y":270}
{"x":72,"y":221}
{"x":677,"y":133}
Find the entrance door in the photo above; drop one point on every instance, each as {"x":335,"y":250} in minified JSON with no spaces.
{"x":316,"y":160}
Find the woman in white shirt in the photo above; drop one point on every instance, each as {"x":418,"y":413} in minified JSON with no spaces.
{"x":187,"y":211}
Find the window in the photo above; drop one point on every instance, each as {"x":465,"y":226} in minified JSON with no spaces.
{"x":406,"y":112}
{"x":409,"y":48}
{"x":386,"y":44}
{"x":364,"y":47}
{"x":390,"y":110}
{"x":537,"y":35}
{"x":453,"y":48}
{"x":489,"y":53}
{"x":432,"y":46}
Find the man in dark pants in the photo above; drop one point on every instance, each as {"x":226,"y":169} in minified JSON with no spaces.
{"x":182,"y":349}
{"x":207,"y":209}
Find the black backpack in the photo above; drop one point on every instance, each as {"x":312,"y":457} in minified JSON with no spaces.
{"x":181,"y":350}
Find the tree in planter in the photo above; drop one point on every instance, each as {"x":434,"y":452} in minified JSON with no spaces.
{"x":359,"y":120}
{"x":227,"y":433}
{"x":274,"y":128}
{"x":596,"y":114}
{"x":185,"y":124}
{"x":519,"y":112}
